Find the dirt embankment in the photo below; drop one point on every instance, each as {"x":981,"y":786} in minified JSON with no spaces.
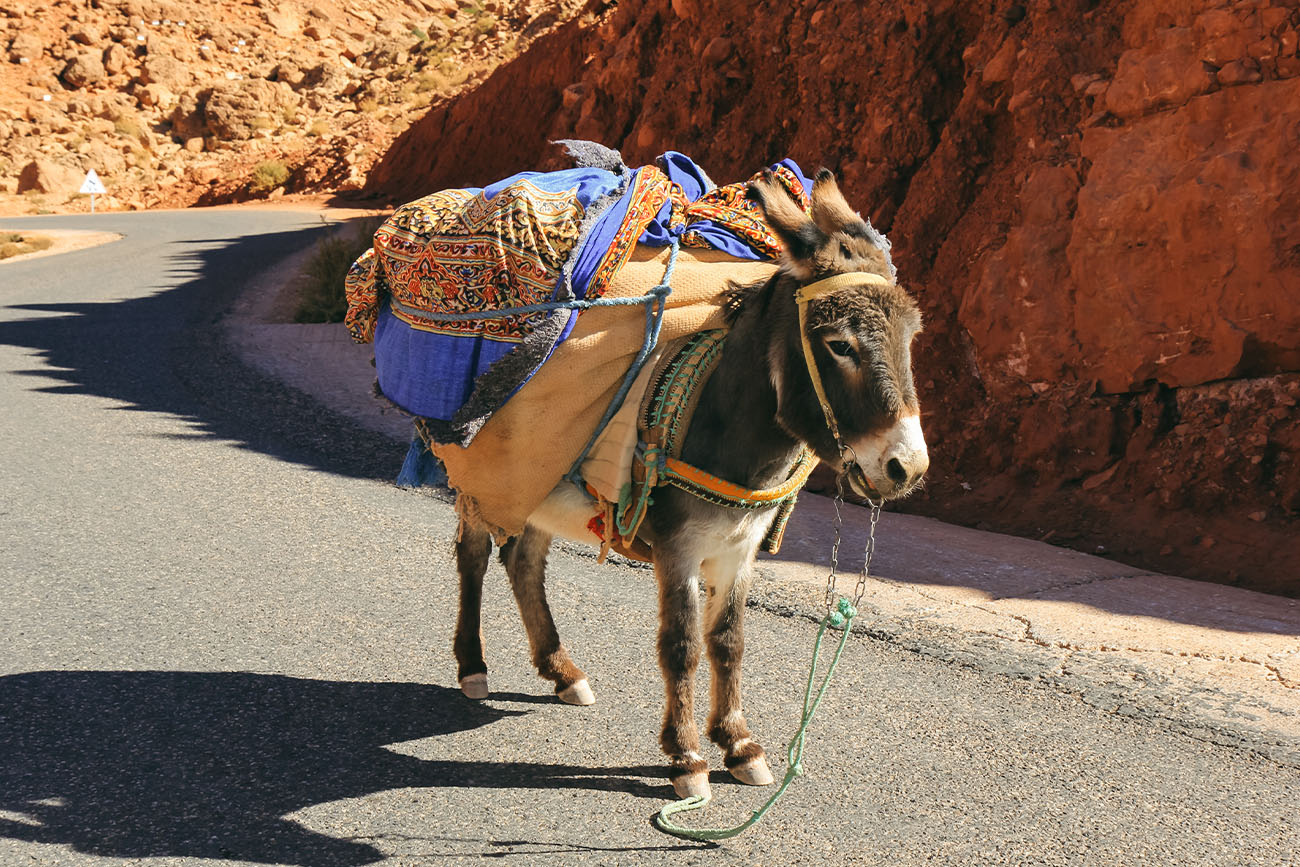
{"x":204,"y":102}
{"x":1096,"y":203}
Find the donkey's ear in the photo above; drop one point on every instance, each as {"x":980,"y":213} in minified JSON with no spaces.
{"x":830,"y":211}
{"x":786,"y":218}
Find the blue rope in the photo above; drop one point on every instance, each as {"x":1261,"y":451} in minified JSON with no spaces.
{"x":654,"y":301}
{"x":655,"y":294}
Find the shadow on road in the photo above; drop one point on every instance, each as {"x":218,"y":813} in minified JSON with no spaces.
{"x":164,"y":352}
{"x":150,"y":763}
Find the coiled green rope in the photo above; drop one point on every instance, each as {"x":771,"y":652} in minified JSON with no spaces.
{"x":841,"y":617}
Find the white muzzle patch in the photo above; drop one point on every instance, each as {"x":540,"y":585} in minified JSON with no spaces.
{"x":894,"y":460}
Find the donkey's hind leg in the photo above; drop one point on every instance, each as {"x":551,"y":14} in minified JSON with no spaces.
{"x":725,"y":622}
{"x":473,"y":550}
{"x":525,"y":561}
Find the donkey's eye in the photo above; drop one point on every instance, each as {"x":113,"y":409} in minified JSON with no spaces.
{"x":841,"y":348}
{"x":844,"y":251}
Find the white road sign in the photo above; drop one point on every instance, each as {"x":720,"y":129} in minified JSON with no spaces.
{"x":92,"y":184}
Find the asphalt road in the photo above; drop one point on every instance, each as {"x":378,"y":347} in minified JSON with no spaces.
{"x":224,"y":636}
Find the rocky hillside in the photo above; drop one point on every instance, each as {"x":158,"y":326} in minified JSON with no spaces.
{"x":180,"y":103}
{"x":1097,"y":202}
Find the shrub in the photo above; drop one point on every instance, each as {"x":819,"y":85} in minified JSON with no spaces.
{"x":485,"y":23}
{"x":441,"y":79}
{"x":430,"y":80}
{"x":320,"y":285}
{"x":14,"y":244}
{"x":129,"y":127}
{"x":267,"y":176}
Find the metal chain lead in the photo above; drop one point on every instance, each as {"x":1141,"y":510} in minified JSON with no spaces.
{"x":835,"y":548}
{"x":861,"y":589}
{"x":870,"y":552}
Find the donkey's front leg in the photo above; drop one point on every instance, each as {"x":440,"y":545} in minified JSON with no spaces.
{"x":679,"y":655}
{"x":525,"y":561}
{"x":724,"y":616}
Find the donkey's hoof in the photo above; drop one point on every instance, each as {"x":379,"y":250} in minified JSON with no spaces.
{"x":474,"y":686}
{"x":754,"y":772}
{"x":692,"y":785}
{"x":579,"y":693}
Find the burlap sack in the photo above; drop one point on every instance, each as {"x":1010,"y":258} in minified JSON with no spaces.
{"x":521,"y":454}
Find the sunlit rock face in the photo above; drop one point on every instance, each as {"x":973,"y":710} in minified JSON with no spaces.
{"x":1098,"y":205}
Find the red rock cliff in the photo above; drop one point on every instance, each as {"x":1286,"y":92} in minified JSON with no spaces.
{"x":1096,"y":202}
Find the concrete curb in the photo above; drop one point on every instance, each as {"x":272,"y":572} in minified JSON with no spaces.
{"x":1221,"y":663}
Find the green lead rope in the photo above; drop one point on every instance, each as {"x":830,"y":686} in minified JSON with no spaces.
{"x":842,"y":617}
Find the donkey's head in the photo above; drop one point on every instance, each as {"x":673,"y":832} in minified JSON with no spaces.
{"x":842,"y":359}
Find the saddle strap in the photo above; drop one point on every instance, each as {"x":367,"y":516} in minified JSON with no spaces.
{"x":666,"y":415}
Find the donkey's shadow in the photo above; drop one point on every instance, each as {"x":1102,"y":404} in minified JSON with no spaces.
{"x":138,"y":764}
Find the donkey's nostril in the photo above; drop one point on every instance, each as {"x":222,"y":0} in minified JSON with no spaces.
{"x":896,"y":472}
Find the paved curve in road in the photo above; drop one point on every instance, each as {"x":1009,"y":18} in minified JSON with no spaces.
{"x":224,"y":637}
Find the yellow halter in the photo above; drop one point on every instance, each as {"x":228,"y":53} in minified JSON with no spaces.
{"x":816,"y":290}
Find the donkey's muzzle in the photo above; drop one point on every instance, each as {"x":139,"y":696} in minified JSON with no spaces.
{"x":906,"y":458}
{"x":891,"y":464}
{"x":904,"y":478}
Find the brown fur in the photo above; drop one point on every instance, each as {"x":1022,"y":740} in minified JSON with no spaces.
{"x":473,"y":550}
{"x":525,"y":560}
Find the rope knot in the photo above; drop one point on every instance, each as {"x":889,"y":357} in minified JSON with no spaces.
{"x":797,"y":769}
{"x":841,"y":614}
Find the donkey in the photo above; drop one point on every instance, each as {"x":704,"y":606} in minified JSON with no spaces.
{"x":756,"y":412}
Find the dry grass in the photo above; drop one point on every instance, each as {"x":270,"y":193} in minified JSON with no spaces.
{"x":14,"y":244}
{"x":483,"y":22}
{"x":320,"y":285}
{"x":267,"y":176}
{"x":442,"y":77}
{"x":129,"y":127}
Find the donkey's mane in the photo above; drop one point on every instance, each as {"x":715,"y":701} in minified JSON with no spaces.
{"x":738,"y":296}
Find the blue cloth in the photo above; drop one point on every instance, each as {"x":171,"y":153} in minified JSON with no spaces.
{"x":684,"y":172}
{"x":586,"y":185}
{"x":430,"y":374}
